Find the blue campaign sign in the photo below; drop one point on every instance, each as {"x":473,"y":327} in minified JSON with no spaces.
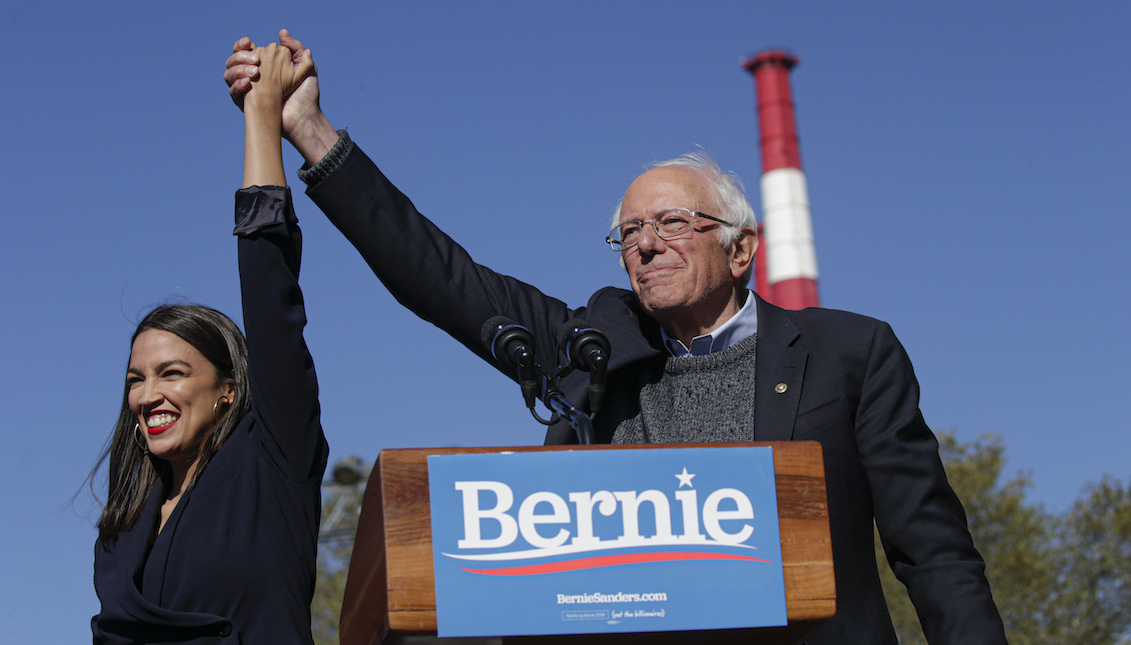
{"x":592,"y":541}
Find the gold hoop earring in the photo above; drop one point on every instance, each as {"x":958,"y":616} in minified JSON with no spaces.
{"x":138,"y":440}
{"x":216,"y":407}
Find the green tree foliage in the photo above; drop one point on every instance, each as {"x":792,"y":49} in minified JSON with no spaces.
{"x":1055,"y":578}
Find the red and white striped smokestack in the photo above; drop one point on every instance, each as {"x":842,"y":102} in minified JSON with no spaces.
{"x":789,"y":256}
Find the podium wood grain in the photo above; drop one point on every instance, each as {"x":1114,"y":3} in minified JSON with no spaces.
{"x":390,"y":593}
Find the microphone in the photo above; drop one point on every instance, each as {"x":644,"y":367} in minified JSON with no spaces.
{"x":512,"y":346}
{"x":587,"y":350}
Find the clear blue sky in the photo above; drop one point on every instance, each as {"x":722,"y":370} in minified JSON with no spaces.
{"x":967,"y":164}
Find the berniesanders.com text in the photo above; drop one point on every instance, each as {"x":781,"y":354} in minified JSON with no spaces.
{"x":595,"y":598}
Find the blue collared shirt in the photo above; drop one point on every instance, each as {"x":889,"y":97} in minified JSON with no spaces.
{"x":741,"y":326}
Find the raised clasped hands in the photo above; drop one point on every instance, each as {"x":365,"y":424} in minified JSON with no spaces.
{"x":302,"y":120}
{"x":243,"y":68}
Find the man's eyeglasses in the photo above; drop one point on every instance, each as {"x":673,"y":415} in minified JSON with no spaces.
{"x":668,"y":224}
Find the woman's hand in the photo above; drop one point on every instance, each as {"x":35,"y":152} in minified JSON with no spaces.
{"x":280,"y":75}
{"x":277,"y":78}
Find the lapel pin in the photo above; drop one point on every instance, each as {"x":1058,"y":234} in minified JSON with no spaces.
{"x":781,"y":388}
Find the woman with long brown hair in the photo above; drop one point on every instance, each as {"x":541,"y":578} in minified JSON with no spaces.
{"x":210,"y":526}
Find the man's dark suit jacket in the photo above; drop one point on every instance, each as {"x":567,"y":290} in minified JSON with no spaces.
{"x":235,"y":562}
{"x":848,"y":384}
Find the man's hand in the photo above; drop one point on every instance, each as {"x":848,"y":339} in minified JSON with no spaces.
{"x":241,"y":69}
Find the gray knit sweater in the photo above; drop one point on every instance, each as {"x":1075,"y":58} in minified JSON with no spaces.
{"x":697,"y":399}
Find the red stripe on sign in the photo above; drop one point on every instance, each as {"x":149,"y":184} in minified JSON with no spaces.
{"x":607,"y":561}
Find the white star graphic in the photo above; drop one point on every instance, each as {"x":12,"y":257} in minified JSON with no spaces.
{"x":684,"y":479}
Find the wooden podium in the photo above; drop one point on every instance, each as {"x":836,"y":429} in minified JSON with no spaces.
{"x":390,"y":594}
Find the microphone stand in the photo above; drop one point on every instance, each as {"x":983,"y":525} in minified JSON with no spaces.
{"x":578,"y":420}
{"x":510,"y":345}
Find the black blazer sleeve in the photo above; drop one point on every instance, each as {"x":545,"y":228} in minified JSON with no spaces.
{"x":424,"y":269}
{"x":920,"y":520}
{"x":283,"y":383}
